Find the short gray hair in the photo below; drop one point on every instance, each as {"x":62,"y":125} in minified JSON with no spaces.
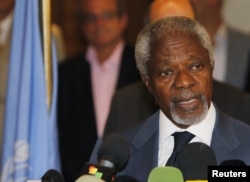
{"x":163,"y":26}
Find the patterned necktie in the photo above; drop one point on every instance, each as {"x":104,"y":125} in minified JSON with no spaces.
{"x":180,"y":139}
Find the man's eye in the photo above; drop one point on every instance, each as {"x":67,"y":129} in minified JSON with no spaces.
{"x":166,"y":73}
{"x":109,"y":15}
{"x":196,"y":66}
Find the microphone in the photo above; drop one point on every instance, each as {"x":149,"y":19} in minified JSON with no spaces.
{"x":193,"y":160}
{"x":88,"y":178}
{"x":51,"y":175}
{"x":125,"y":178}
{"x":165,"y":174}
{"x":112,"y":157}
{"x":114,"y":152}
{"x":233,"y":162}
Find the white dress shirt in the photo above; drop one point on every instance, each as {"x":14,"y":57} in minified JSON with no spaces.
{"x":202,"y":131}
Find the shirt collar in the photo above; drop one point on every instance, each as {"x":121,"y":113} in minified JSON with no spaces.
{"x":167,"y":128}
{"x":113,"y":60}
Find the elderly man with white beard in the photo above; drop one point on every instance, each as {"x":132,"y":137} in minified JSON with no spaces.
{"x":175,"y":59}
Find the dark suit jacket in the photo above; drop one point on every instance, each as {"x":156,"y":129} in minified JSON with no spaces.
{"x":76,"y":115}
{"x":237,"y":58}
{"x":229,"y":141}
{"x":247,"y":88}
{"x":134,"y":103}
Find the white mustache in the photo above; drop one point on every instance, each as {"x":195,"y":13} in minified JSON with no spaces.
{"x":185,"y":96}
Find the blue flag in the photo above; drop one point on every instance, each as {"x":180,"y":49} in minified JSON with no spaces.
{"x":30,"y":134}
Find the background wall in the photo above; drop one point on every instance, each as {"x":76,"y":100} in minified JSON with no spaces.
{"x":235,"y":12}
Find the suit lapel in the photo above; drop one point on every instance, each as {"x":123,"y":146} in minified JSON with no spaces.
{"x":237,"y":57}
{"x":145,"y":148}
{"x":123,"y":68}
{"x":224,"y":139}
{"x":128,"y":72}
{"x":83,"y":99}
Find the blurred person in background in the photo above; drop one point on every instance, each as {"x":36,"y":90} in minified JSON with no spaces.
{"x":231,"y":47}
{"x":88,"y":80}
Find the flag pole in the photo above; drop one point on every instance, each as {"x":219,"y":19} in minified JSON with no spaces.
{"x":29,"y":125}
{"x":46,"y":41}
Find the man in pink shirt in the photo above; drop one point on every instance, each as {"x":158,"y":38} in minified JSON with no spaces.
{"x":88,"y":81}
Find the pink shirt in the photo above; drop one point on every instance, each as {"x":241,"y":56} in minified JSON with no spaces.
{"x":104,"y":78}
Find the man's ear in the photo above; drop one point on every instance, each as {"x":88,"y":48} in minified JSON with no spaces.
{"x":147,"y":83}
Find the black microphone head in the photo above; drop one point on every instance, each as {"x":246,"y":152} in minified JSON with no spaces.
{"x":125,"y":178}
{"x":193,"y":160}
{"x":233,"y":162}
{"x":52,"y":175}
{"x":114,"y":149}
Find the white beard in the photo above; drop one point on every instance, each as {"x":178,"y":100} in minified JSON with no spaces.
{"x":193,"y":119}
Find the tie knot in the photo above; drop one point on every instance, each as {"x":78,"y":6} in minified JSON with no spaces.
{"x":181,"y":139}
